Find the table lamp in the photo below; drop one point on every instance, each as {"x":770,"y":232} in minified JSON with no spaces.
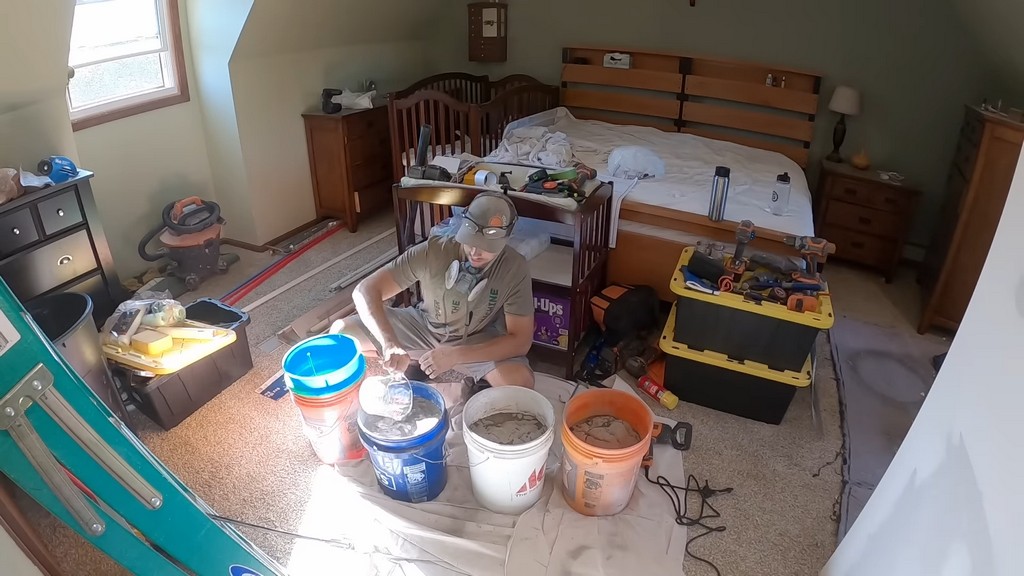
{"x":845,"y":101}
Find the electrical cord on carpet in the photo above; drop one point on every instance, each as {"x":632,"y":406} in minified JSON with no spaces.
{"x":680,"y":507}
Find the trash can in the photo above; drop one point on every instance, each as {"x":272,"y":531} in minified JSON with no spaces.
{"x":66,"y":320}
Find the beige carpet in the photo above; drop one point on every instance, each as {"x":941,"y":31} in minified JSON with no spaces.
{"x":245,"y":455}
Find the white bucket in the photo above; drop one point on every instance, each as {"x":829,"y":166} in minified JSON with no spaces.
{"x":507,"y":479}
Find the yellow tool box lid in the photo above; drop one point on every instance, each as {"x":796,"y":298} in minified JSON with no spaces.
{"x":822,"y":319}
{"x":799,"y":379}
{"x":181,"y":354}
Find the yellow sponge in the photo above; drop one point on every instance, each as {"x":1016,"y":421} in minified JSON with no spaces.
{"x":151,"y":343}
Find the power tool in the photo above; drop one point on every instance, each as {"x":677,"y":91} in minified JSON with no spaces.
{"x":58,"y":168}
{"x":679,"y":436}
{"x":327,"y":103}
{"x":738,"y":264}
{"x":421,"y":170}
{"x":814,"y":251}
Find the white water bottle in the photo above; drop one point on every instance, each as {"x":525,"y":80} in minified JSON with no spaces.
{"x":780,"y":195}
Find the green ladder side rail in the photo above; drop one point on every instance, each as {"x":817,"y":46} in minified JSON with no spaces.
{"x":61,"y":444}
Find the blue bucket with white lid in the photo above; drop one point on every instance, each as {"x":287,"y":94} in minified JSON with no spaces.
{"x":410,"y":469}
{"x":323,"y":365}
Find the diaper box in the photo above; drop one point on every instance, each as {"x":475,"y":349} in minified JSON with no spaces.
{"x":551,"y":319}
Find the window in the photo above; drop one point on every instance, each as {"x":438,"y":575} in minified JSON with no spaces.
{"x":127,"y":59}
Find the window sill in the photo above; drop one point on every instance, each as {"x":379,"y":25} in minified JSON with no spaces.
{"x":93,"y":120}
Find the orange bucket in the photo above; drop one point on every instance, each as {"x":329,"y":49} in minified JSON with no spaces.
{"x":331,"y":425}
{"x":600,"y":481}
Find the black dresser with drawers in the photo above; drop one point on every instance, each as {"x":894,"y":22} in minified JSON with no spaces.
{"x":51,"y":240}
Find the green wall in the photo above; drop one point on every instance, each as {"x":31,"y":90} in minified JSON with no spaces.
{"x":913,"y":61}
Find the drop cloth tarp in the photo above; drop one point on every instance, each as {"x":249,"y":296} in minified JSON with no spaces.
{"x":454,"y":535}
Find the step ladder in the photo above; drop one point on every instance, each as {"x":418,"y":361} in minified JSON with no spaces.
{"x":61,"y":445}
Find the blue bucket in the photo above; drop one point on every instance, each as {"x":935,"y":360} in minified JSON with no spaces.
{"x":413,"y":469}
{"x":323,"y":365}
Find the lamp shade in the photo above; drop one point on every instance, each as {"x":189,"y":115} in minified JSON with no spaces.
{"x":845,"y":100}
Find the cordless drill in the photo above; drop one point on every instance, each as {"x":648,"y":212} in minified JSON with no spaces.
{"x":738,"y":264}
{"x":814,"y":251}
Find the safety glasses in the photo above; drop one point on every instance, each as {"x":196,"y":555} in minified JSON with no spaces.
{"x":487,"y":231}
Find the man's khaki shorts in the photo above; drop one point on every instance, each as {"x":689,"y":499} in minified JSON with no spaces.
{"x":416,"y":337}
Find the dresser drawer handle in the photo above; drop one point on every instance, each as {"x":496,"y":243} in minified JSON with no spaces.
{"x":864,"y":220}
{"x":16,"y":231}
{"x":65,"y":259}
{"x":857,"y":244}
{"x":60,"y":212}
{"x":850,"y":191}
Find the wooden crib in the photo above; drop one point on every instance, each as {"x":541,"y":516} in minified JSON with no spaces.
{"x":451,"y":104}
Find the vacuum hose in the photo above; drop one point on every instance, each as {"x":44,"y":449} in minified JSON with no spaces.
{"x":174,"y":219}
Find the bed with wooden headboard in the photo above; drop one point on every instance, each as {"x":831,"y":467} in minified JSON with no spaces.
{"x":722,"y":100}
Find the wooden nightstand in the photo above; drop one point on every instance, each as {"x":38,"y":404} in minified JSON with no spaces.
{"x":350,"y":162}
{"x":866,"y":217}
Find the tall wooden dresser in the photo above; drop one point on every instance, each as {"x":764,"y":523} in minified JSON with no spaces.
{"x":976,"y":189}
{"x":51,"y":240}
{"x":349,"y":162}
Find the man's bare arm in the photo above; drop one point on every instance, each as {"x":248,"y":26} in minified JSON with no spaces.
{"x":369,"y":297}
{"x":515,"y":343}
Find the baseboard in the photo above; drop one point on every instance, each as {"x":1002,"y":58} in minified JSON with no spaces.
{"x":295,"y":231}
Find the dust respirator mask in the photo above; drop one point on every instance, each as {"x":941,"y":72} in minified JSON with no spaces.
{"x":464,"y":278}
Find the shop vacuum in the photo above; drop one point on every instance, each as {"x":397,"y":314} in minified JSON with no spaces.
{"x":190,"y":233}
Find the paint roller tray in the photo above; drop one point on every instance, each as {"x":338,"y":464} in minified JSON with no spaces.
{"x":168,"y":399}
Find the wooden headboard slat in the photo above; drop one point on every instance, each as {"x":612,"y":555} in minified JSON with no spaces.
{"x":748,"y":93}
{"x":641,"y":60}
{"x":797,"y":154}
{"x":625,"y":120}
{"x":740,"y":119}
{"x":716,"y":98}
{"x":752,"y":73}
{"x":633,"y":78}
{"x":620,"y":102}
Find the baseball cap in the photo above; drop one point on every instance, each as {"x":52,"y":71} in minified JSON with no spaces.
{"x":487,"y":222}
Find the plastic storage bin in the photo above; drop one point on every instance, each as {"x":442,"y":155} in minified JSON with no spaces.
{"x":765,"y":333}
{"x":743,"y":388}
{"x":168,"y":400}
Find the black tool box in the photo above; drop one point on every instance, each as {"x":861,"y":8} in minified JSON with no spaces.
{"x":766,"y":332}
{"x":743,"y":388}
{"x":168,"y":400}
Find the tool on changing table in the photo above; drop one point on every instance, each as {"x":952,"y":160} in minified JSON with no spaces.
{"x":421,"y":170}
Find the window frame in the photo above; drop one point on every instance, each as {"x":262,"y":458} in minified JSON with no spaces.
{"x":132,"y":105}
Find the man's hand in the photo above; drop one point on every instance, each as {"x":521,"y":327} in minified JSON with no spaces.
{"x":439,"y":360}
{"x":396,"y":359}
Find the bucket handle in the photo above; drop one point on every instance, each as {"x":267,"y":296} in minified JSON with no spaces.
{"x":442,"y":461}
{"x":480,"y":462}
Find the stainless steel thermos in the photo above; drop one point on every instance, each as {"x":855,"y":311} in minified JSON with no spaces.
{"x":719,"y":194}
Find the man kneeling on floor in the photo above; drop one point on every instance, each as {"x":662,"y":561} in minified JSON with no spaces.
{"x":476,"y":315}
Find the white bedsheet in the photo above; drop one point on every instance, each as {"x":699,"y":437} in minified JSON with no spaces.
{"x":454,"y":535}
{"x":689,"y":165}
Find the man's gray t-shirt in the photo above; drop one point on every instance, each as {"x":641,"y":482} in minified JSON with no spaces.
{"x":509,"y":288}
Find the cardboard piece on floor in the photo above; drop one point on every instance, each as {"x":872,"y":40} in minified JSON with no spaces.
{"x":319,"y":319}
